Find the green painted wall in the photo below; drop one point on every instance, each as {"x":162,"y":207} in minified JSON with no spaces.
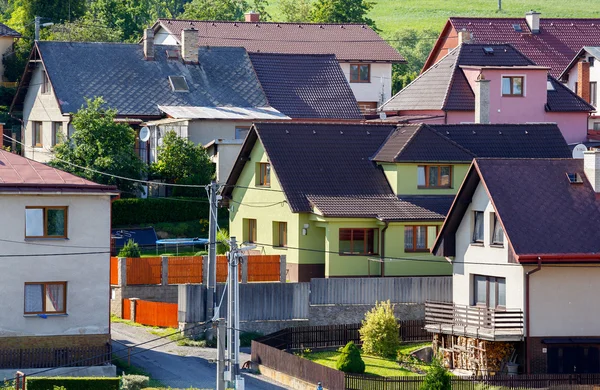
{"x":403,"y":179}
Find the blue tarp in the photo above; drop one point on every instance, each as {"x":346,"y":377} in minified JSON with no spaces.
{"x":142,"y":236}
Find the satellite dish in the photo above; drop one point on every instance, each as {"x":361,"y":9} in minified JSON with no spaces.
{"x":578,"y":150}
{"x":144,"y":134}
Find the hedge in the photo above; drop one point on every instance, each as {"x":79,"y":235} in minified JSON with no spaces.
{"x":70,"y":383}
{"x":152,"y":210}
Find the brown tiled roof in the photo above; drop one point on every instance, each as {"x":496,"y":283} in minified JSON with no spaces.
{"x":349,"y":42}
{"x":22,"y":174}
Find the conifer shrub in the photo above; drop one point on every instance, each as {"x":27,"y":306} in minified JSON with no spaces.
{"x":350,"y":360}
{"x":130,"y":249}
{"x":379,"y":332}
{"x":437,"y":378}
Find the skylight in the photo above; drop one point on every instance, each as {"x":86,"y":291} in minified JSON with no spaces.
{"x":488,"y":50}
{"x":178,"y":84}
{"x":173,"y":54}
{"x":574,"y":178}
{"x":517,"y":28}
{"x":550,"y":86}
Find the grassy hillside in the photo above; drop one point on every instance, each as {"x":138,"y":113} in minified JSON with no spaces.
{"x":394,"y":15}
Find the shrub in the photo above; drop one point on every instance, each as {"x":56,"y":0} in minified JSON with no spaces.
{"x":130,"y":249}
{"x":222,"y":240}
{"x":350,"y":360}
{"x":135,"y":382}
{"x":379,"y":331}
{"x":152,"y":210}
{"x":437,"y":378}
{"x":72,"y":383}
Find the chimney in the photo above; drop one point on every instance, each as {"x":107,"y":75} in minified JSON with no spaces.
{"x":533,"y":21}
{"x":252,"y":17}
{"x":464,"y":36}
{"x":583,"y":80}
{"x":149,"y":44}
{"x":591,"y":168}
{"x":189,"y":45}
{"x":482,"y":99}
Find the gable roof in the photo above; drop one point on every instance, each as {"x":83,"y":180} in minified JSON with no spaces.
{"x":444,"y":86}
{"x":135,"y":87}
{"x":542,"y":213}
{"x":349,"y":42}
{"x":594,"y":51}
{"x":21,"y":174}
{"x":554,"y":46}
{"x":306,"y":86}
{"x":6,"y":31}
{"x":463,"y":142}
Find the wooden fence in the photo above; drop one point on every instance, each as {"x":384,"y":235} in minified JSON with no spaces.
{"x":222,"y":269}
{"x":54,"y":357}
{"x":263,"y":268}
{"x":156,"y":314}
{"x":126,"y":314}
{"x":185,"y":269}
{"x":114,"y":270}
{"x":144,"y":270}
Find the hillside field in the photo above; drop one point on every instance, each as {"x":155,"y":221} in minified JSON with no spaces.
{"x":393,"y":15}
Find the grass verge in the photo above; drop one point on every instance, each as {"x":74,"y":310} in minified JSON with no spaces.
{"x":124,"y":369}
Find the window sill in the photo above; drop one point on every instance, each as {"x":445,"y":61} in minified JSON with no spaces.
{"x":517,"y":96}
{"x":46,"y":315}
{"x":434,"y":188}
{"x":280,"y":247}
{"x":496,"y":245}
{"x":46,"y":239}
{"x":477,"y":244}
{"x":417,"y":251}
{"x":358,"y":254}
{"x":263,"y":185}
{"x":360,"y":82}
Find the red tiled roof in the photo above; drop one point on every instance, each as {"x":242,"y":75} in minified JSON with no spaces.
{"x":23,"y":173}
{"x":349,"y":42}
{"x":557,"y":42}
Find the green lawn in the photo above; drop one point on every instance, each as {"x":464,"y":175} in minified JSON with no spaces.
{"x":393,"y":15}
{"x":374,"y":365}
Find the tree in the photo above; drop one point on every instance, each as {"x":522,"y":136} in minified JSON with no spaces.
{"x":415,"y":47}
{"x":343,"y":11}
{"x":183,"y":162}
{"x":350,"y":360}
{"x":99,"y":144}
{"x":437,"y":378}
{"x":296,"y":10}
{"x":379,"y":331}
{"x":130,"y":249}
{"x":83,"y":30}
{"x":223,"y":9}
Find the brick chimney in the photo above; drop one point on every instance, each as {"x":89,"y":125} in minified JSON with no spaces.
{"x":533,"y":21}
{"x":482,"y":99}
{"x":591,"y":168}
{"x":583,"y":80}
{"x":464,"y":36}
{"x":252,"y":17}
{"x":149,"y":44}
{"x":189,"y":45}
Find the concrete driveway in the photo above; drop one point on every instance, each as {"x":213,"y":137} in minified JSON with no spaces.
{"x":175,"y":366}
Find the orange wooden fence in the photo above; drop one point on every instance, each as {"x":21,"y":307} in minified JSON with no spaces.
{"x":221,"y":269}
{"x":185,"y":269}
{"x":126,"y":314}
{"x":263,"y":268}
{"x":144,"y":270}
{"x":156,"y":314}
{"x":114,"y":270}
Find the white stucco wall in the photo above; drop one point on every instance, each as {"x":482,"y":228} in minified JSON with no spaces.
{"x":594,"y":76}
{"x":371,"y":92}
{"x":203,"y":131}
{"x":474,"y":259}
{"x":87,"y":276}
{"x":43,"y":108}
{"x":162,"y":37}
{"x":225,"y":159}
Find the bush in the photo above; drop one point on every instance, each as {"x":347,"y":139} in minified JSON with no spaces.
{"x":152,"y":210}
{"x":350,"y":360}
{"x":222,"y":240}
{"x":130,"y":249}
{"x":72,"y":383}
{"x":437,"y":378}
{"x":379,"y":332}
{"x":135,"y":382}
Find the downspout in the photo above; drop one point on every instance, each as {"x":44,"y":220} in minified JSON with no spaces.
{"x":527,"y":321}
{"x":382,"y":251}
{"x":445,"y":117}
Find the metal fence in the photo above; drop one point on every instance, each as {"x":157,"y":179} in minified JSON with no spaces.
{"x":55,"y":357}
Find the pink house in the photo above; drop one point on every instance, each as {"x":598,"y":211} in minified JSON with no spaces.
{"x":476,"y":83}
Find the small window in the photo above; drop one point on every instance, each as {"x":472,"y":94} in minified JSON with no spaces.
{"x":360,"y":73}
{"x":37,"y":134}
{"x":550,"y":86}
{"x":498,"y":232}
{"x":241,"y":132}
{"x":358,"y":241}
{"x":489,"y":291}
{"x":45,"y":83}
{"x":517,"y":28}
{"x":57,"y":132}
{"x":173,"y":54}
{"x":596,"y":126}
{"x":419,"y":238}
{"x":478,"y":227}
{"x":488,"y":51}
{"x":46,"y":222}
{"x":512,"y":86}
{"x":574,"y":178}
{"x":593,"y":93}
{"x":434,"y":176}
{"x":178,"y":84}
{"x":280,"y":239}
{"x":46,"y":298}
{"x":250,"y":228}
{"x":264,"y":178}
{"x":591,"y":60}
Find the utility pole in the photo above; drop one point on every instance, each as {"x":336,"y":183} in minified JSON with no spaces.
{"x":211,"y":278}
{"x":37,"y":28}
{"x":499,"y":5}
{"x":221,"y":353}
{"x":233,"y":318}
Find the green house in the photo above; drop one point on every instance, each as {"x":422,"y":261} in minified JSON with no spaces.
{"x":362,"y":199}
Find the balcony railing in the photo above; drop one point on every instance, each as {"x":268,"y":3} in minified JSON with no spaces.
{"x":473,"y":321}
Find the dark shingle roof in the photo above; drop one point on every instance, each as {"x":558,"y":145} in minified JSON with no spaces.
{"x":306,"y":86}
{"x":133,"y":86}
{"x":554,"y":46}
{"x":6,"y":31}
{"x":462,"y":142}
{"x":561,"y":98}
{"x":349,"y":42}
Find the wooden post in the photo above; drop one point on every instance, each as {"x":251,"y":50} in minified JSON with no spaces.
{"x":282,"y":269}
{"x":245,"y":269}
{"x":122,"y":277}
{"x":132,"y":308}
{"x":165,"y":270}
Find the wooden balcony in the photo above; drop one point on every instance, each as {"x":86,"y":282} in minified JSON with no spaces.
{"x":473,"y":321}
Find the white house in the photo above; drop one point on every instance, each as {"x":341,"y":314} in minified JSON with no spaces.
{"x":55,"y":269}
{"x":524,"y":243}
{"x":8,"y":36}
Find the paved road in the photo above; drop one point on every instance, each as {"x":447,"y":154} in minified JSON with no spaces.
{"x":175,"y":366}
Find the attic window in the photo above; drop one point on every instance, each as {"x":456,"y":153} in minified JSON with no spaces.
{"x":178,"y":84}
{"x":488,"y":50}
{"x":517,"y":28}
{"x":574,"y":178}
{"x":550,"y":86}
{"x":591,"y":60}
{"x":173,"y":54}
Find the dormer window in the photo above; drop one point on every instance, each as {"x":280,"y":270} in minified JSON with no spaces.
{"x":178,"y":84}
{"x":512,"y":85}
{"x":574,"y":178}
{"x":434,"y":176}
